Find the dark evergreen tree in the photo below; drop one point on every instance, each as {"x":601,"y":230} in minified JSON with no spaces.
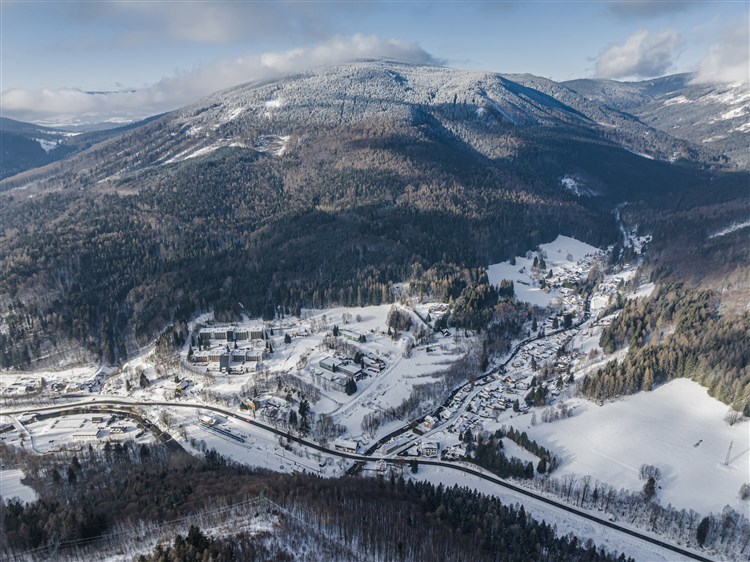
{"x":351,"y":387}
{"x":702,"y":530}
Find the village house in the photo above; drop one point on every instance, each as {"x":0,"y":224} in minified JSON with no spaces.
{"x":454,"y":453}
{"x":335,"y":380}
{"x":351,"y":370}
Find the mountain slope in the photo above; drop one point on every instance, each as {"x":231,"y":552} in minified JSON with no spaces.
{"x":322,"y":187}
{"x":715,"y":116}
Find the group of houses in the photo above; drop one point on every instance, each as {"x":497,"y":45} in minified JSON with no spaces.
{"x":425,"y":449}
{"x":485,"y":406}
{"x":336,"y":373}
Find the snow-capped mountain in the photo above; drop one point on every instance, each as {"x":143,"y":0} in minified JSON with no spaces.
{"x":716,"y":116}
{"x":498,"y":117}
{"x":476,"y":106}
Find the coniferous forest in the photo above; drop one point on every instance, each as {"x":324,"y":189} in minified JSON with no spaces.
{"x":89,"y":500}
{"x":677,"y":332}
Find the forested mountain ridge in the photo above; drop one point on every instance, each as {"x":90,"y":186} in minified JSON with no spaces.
{"x":487,"y":111}
{"x":318,"y":188}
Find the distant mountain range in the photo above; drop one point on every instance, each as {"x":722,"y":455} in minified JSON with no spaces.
{"x":716,"y":116}
{"x":26,"y":145}
{"x":326,"y":186}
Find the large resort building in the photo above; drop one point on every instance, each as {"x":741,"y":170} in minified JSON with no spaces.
{"x":228,"y":348}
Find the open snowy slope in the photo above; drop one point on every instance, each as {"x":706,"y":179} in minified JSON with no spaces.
{"x":564,"y":256}
{"x":563,"y":520}
{"x":677,"y":428}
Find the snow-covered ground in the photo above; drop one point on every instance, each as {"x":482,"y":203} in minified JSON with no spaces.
{"x":677,"y":428}
{"x":241,"y":517}
{"x":731,"y":228}
{"x":11,"y":486}
{"x":565,"y":256}
{"x":74,"y":379}
{"x":576,"y":186}
{"x":565,"y":522}
{"x":47,"y":145}
{"x":256,"y":447}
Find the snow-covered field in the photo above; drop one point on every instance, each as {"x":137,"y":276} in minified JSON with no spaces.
{"x":11,"y":486}
{"x":67,"y":380}
{"x":677,"y":427}
{"x":258,"y":448}
{"x":731,"y":228}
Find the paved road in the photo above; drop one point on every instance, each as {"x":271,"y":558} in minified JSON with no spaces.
{"x":107,"y":404}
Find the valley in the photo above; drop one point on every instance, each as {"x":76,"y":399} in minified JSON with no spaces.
{"x":381,"y":310}
{"x":382,"y":390}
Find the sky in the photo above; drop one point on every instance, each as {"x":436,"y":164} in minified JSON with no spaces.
{"x":89,"y":61}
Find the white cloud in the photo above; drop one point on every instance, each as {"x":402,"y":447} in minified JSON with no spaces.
{"x":642,"y":55}
{"x":729,"y":59}
{"x":186,"y":86}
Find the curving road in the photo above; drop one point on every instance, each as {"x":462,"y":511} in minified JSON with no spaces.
{"x":107,"y":404}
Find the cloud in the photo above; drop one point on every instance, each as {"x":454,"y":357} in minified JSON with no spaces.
{"x":642,"y":55}
{"x":186,"y":86}
{"x":650,"y":8}
{"x":729,"y":59}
